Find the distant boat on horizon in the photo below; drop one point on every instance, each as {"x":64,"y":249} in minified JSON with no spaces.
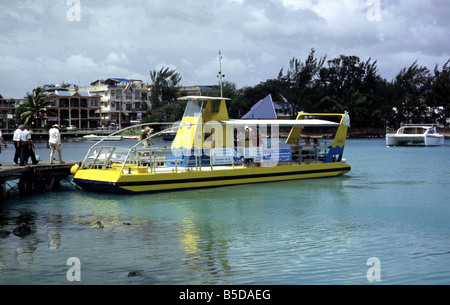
{"x":415,"y":135}
{"x":104,"y":138}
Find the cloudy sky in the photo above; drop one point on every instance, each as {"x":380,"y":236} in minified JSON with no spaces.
{"x":80,"y":41}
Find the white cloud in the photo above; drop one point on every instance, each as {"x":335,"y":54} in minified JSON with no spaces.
{"x":257,"y":38}
{"x":116,"y":59}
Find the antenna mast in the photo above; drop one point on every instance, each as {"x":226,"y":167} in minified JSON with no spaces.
{"x":220,"y":75}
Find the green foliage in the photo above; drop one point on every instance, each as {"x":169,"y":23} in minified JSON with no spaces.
{"x":164,"y":95}
{"x":345,"y":83}
{"x":34,"y":108}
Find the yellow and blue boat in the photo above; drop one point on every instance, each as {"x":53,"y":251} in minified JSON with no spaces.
{"x":211,"y":150}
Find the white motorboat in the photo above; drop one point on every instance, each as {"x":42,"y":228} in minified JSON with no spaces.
{"x":93,"y":137}
{"x":415,"y":135}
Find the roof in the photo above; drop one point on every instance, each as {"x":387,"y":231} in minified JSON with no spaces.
{"x":63,"y":93}
{"x":264,"y":109}
{"x":59,"y":93}
{"x":199,"y":97}
{"x":120,"y":79}
{"x":307,"y":122}
{"x":116,"y":80}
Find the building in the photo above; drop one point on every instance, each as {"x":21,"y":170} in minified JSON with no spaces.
{"x":6,"y":106}
{"x":69,"y":107}
{"x":7,"y":109}
{"x":123,"y":102}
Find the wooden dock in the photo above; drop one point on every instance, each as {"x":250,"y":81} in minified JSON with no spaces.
{"x":33,"y":178}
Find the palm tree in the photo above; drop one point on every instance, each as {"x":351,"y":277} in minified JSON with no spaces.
{"x":35,"y":107}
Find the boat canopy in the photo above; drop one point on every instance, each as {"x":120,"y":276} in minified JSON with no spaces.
{"x":305,"y":123}
{"x":199,"y":97}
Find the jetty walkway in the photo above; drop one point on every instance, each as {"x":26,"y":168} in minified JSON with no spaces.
{"x":32,"y":178}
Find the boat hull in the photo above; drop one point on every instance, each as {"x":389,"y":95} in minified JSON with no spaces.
{"x":114,"y":182}
{"x":414,"y":140}
{"x":105,"y":138}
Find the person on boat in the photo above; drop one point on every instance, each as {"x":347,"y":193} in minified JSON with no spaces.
{"x":145,"y":138}
{"x":256,"y":139}
{"x":307,"y":148}
{"x":307,"y":141}
{"x":315,"y":142}
{"x":55,"y":143}
{"x":242,"y":137}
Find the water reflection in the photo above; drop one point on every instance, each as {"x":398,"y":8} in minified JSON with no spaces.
{"x":54,"y":223}
{"x":189,"y":239}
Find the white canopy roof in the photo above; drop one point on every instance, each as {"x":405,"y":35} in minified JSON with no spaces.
{"x":311,"y":122}
{"x":199,"y":97}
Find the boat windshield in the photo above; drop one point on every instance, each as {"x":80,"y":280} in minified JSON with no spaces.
{"x":414,"y":130}
{"x":193,"y":108}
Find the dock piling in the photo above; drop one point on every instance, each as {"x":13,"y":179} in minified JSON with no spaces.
{"x":33,"y":178}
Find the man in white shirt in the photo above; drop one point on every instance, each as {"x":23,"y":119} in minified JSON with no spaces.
{"x":55,"y":143}
{"x":16,"y":140}
{"x":27,"y":146}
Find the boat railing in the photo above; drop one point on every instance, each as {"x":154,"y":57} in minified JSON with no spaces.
{"x":89,"y":159}
{"x":390,"y":130}
{"x":149,"y":159}
{"x":313,"y":153}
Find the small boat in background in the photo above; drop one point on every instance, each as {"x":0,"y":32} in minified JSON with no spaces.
{"x":415,"y":135}
{"x":105,"y":138}
{"x":169,"y":136}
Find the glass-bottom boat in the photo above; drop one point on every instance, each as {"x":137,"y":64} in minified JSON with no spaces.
{"x":210,"y":150}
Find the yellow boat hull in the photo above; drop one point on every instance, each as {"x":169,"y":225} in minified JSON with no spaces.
{"x":137,"y":180}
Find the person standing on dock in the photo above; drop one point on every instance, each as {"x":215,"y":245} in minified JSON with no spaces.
{"x":55,"y":143}
{"x":16,"y":141}
{"x":27,"y":147}
{"x":4,"y":142}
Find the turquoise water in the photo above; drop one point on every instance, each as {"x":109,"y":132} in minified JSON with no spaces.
{"x":393,"y":206}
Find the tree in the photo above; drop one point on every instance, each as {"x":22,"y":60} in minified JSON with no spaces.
{"x":35,"y":107}
{"x":299,"y":82}
{"x":353,"y":85}
{"x":439,"y":98}
{"x":411,"y":87}
{"x":164,"y":95}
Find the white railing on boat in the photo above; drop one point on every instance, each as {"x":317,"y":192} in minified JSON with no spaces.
{"x":152,"y":158}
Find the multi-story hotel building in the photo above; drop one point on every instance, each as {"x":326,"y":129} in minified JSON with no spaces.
{"x":79,"y":108}
{"x":6,"y":106}
{"x":123,"y":101}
